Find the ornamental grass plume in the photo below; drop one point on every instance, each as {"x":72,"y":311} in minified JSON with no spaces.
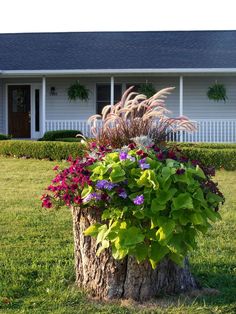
{"x":135,"y":115}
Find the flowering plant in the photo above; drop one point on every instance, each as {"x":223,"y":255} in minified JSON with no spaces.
{"x":153,"y":201}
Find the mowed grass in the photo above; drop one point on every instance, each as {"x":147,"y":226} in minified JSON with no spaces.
{"x":36,"y":253}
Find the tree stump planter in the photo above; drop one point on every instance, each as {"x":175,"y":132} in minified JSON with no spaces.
{"x":106,"y":278}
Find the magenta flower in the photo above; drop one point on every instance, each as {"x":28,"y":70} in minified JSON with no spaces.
{"x":139,"y":200}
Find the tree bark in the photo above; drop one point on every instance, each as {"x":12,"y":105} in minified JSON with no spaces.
{"x":106,"y":278}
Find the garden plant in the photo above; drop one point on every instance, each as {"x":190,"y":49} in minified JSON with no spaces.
{"x":137,"y":205}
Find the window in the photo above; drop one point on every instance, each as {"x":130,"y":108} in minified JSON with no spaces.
{"x":104,"y":95}
{"x":37,"y":110}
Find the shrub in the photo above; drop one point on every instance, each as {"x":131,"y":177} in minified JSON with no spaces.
{"x":53,"y":135}
{"x":68,"y":139}
{"x":4,"y":137}
{"x":204,"y":145}
{"x":41,"y":150}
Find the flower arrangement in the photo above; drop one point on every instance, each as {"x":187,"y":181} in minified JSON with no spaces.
{"x":153,"y":201}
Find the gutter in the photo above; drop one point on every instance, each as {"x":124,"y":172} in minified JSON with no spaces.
{"x":118,"y":71}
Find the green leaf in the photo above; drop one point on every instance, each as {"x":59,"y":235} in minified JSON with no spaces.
{"x":141,"y":252}
{"x":104,"y":245}
{"x":177,"y":259}
{"x":165,"y":196}
{"x":101,"y":233}
{"x":130,"y":236}
{"x":156,"y":206}
{"x":183,"y":200}
{"x":165,"y":232}
{"x":86,"y":190}
{"x":112,"y":157}
{"x":92,"y":230}
{"x":117,"y":174}
{"x":212,"y":215}
{"x":148,"y":179}
{"x":197,"y":219}
{"x":157,"y":253}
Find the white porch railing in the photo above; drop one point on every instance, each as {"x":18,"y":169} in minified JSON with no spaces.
{"x":209,"y":130}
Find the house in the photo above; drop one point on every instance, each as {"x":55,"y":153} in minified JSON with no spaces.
{"x":36,"y":70}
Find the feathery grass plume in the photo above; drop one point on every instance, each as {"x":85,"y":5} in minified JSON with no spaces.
{"x":136,"y":115}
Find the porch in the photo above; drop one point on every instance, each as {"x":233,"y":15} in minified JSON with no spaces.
{"x":208,"y":130}
{"x":49,"y":107}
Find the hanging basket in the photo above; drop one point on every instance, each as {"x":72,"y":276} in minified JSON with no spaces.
{"x":217,"y":92}
{"x":77,"y":91}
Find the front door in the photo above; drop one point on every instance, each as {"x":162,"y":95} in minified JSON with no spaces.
{"x":19,"y":111}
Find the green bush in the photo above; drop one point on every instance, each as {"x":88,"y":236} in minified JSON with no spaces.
{"x":205,"y":145}
{"x":4,"y":137}
{"x":53,"y":135}
{"x":218,"y":158}
{"x":41,"y":150}
{"x":69,"y":139}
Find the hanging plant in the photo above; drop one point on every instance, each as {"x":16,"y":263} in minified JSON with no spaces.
{"x":77,"y":91}
{"x":147,"y":89}
{"x":217,"y":92}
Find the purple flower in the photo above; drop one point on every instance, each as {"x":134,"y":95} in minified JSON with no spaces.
{"x":180,"y":171}
{"x":123,"y":194}
{"x":142,"y":164}
{"x":123,"y":155}
{"x":131,"y":158}
{"x":138,"y":200}
{"x":92,"y":196}
{"x":104,"y":184}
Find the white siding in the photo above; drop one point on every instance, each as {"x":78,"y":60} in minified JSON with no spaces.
{"x":198,"y":106}
{"x":2,"y":111}
{"x":58,"y":107}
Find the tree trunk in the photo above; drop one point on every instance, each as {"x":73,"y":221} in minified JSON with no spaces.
{"x":106,"y":278}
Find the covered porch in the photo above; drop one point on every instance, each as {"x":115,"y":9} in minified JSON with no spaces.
{"x":48,"y":107}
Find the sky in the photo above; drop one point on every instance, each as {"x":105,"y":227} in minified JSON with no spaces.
{"x":116,"y":15}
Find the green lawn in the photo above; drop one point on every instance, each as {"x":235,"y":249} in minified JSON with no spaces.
{"x":36,"y":253}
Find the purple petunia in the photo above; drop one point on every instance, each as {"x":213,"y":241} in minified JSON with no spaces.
{"x":143,"y":165}
{"x":139,"y":200}
{"x":123,"y":155}
{"x":123,"y":194}
{"x":92,"y":196}
{"x":104,"y":184}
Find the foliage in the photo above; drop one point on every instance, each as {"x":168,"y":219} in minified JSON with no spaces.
{"x":41,"y":150}
{"x":36,"y":256}
{"x":203,"y":145}
{"x":153,"y":201}
{"x":147,"y":89}
{"x":136,"y":115}
{"x":77,"y":91}
{"x":69,"y":139}
{"x":54,"y":135}
{"x":217,"y":92}
{"x":4,"y":137}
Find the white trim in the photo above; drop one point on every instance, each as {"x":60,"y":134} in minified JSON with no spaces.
{"x":43,"y":118}
{"x":112,"y":90}
{"x":181,"y":96}
{"x":117,"y":71}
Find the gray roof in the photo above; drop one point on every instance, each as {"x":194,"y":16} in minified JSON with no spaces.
{"x":118,"y":50}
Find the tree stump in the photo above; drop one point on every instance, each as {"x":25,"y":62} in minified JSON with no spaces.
{"x":106,"y":278}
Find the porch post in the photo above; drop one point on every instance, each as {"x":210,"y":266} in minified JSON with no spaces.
{"x":112,"y":90}
{"x":181,"y":103}
{"x":43,"y":105}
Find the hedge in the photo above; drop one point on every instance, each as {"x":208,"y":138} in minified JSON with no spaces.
{"x":204,"y":145}
{"x":219,"y":158}
{"x":4,"y":137}
{"x":41,"y":150}
{"x":53,"y":135}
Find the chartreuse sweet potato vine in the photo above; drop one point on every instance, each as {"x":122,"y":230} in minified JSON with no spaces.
{"x":153,"y":201}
